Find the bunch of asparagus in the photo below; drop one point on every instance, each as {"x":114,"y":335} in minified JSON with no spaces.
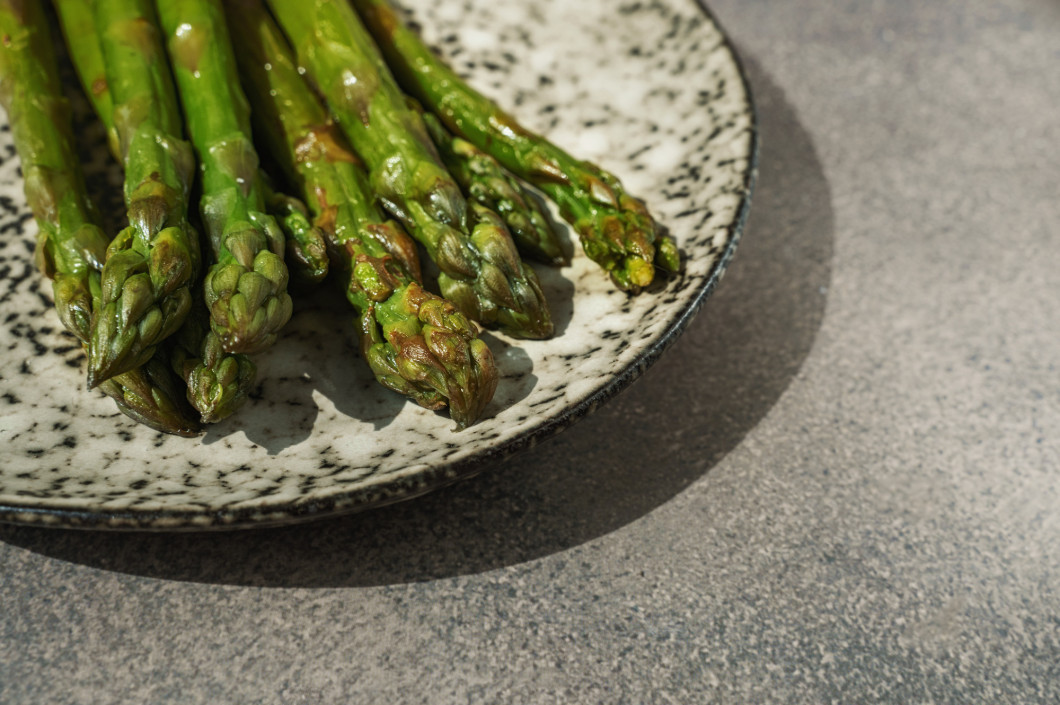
{"x":169,"y":318}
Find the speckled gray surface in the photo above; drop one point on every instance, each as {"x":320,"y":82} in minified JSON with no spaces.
{"x":841,"y":485}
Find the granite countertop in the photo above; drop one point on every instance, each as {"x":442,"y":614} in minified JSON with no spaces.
{"x":841,"y":485}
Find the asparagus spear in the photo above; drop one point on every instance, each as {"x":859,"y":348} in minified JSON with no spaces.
{"x":217,"y":382}
{"x":480,"y":268}
{"x":615,"y":228}
{"x":78,"y":25}
{"x":246,"y":287}
{"x":70,"y":245}
{"x":415,"y":343}
{"x":305,"y":247}
{"x":147,"y":277}
{"x":306,"y":250}
{"x":488,"y":183}
{"x":152,"y":396}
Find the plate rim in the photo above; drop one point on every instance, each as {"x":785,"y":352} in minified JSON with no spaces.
{"x":398,"y":489}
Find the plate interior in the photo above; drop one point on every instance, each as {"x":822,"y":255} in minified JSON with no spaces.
{"x":650,"y":91}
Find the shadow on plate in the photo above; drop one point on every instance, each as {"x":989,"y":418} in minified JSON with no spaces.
{"x":313,"y":360}
{"x":636,"y":453}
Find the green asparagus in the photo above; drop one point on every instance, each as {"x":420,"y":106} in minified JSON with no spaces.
{"x":147,"y":276}
{"x":217,"y":382}
{"x":70,"y":245}
{"x":246,"y":287}
{"x":615,"y":228}
{"x":82,"y":42}
{"x":415,"y":343}
{"x":488,"y":183}
{"x":152,"y":396}
{"x":306,"y":250}
{"x":480,"y":268}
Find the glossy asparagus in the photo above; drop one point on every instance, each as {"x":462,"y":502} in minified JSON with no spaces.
{"x":480,"y":268}
{"x":78,"y":25}
{"x":486,"y":182}
{"x":217,"y":381}
{"x":615,"y":228}
{"x":415,"y":343}
{"x":246,"y":286}
{"x":146,"y":280}
{"x":306,"y":250}
{"x":152,"y":396}
{"x":70,"y":245}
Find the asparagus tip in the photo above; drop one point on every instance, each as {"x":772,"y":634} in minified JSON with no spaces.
{"x":667,"y":256}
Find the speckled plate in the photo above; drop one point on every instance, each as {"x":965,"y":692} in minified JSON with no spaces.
{"x":650,"y":90}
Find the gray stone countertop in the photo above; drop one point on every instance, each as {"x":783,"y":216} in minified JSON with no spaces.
{"x":840,"y":486}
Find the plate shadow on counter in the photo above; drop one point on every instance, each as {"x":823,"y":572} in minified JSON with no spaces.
{"x":634,"y":454}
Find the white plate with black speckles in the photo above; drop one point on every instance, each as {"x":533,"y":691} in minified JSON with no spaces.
{"x":650,"y":90}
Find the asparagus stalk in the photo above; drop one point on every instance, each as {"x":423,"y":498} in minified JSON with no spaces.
{"x":70,"y":245}
{"x":615,"y":228}
{"x":480,"y":267}
{"x":246,"y":287}
{"x":488,"y":183}
{"x":306,"y":250}
{"x":82,"y":42}
{"x":147,"y":276}
{"x":152,"y":396}
{"x":415,"y":343}
{"x":305,"y":247}
{"x":217,"y":382}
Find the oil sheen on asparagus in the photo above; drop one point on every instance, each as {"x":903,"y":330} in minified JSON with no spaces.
{"x":615,"y":228}
{"x":481,"y":271}
{"x":416,"y":343}
{"x":70,"y":244}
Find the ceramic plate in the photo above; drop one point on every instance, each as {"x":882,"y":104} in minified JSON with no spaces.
{"x":650,"y":90}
